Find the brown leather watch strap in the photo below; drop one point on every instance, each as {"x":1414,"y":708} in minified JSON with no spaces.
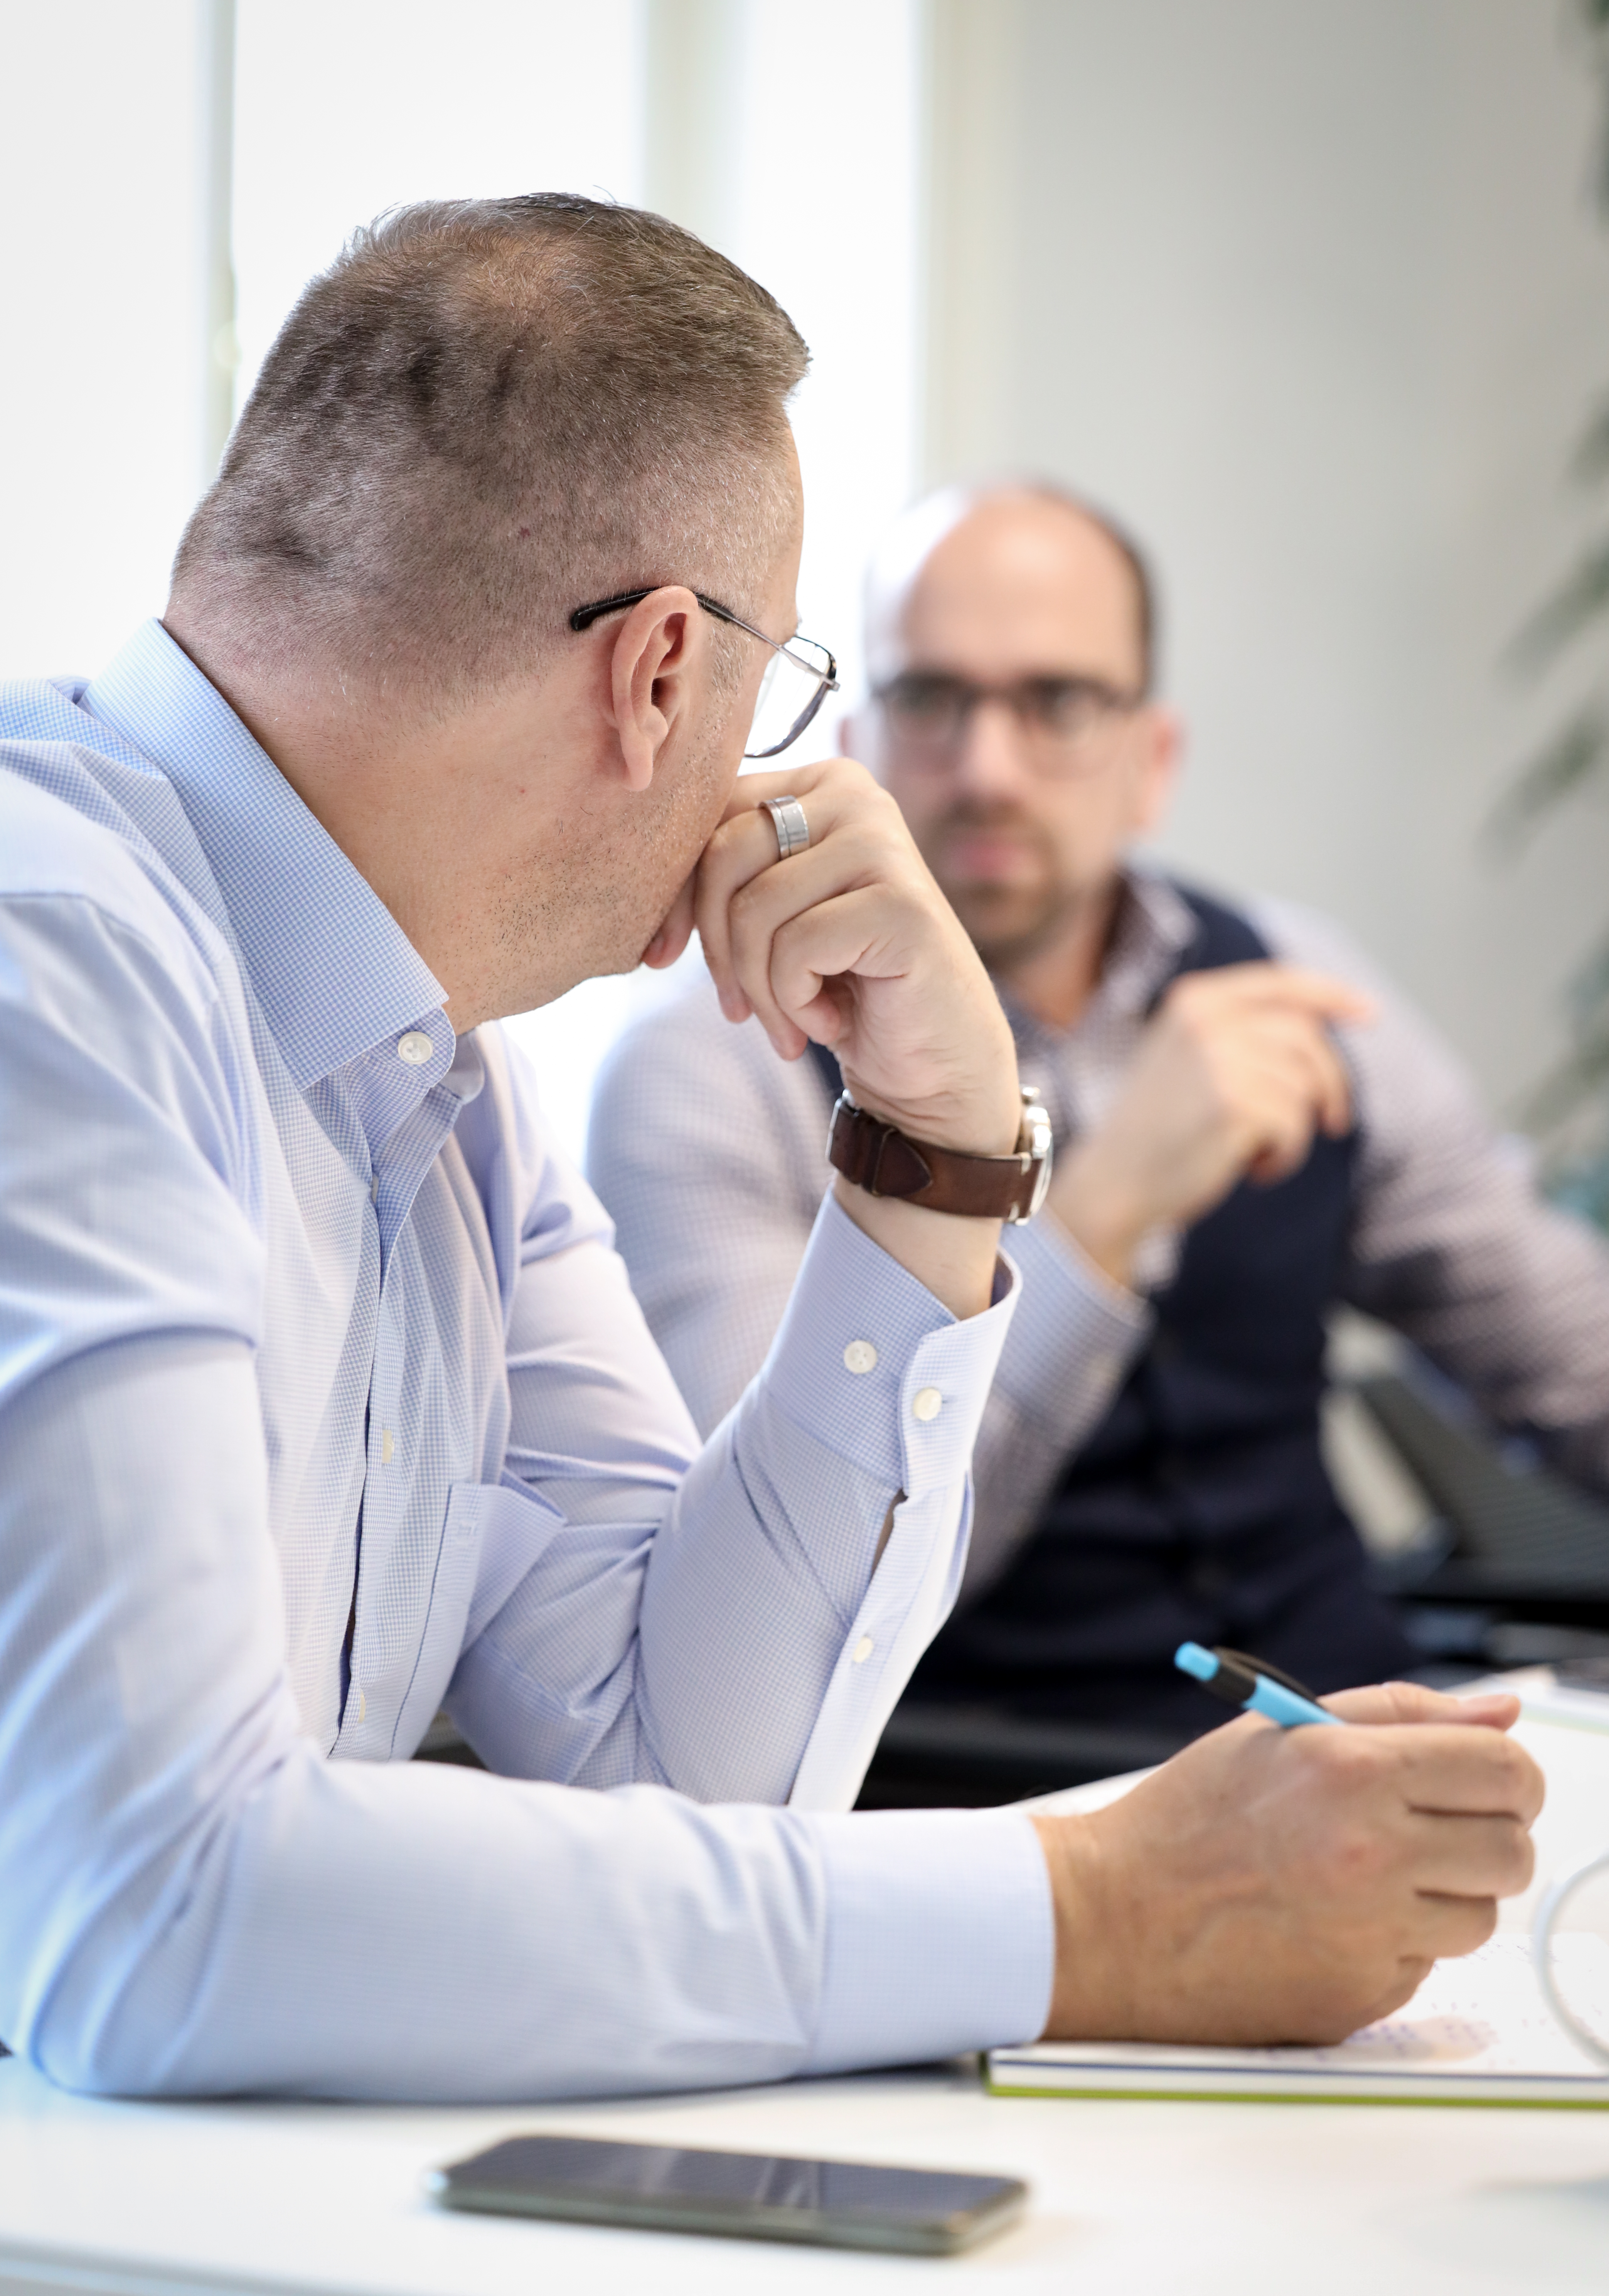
{"x":886,"y":1162}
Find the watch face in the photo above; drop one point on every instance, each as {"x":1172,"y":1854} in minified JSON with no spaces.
{"x":1035,"y":1139}
{"x":1041,"y":1184}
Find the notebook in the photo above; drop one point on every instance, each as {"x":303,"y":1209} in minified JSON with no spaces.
{"x":1477,"y":2032}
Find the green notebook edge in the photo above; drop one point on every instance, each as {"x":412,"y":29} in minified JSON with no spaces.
{"x":1396,"y":2098}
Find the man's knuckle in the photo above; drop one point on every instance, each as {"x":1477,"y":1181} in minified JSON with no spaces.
{"x":722,"y":839}
{"x":849,"y":781}
{"x":1352,"y":1762}
{"x":1517,"y":1860}
{"x":1355,"y":1860}
{"x":1522,"y":1776}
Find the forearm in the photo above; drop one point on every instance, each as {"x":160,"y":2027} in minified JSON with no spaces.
{"x":193,"y":1902}
{"x":1097,"y":1208}
{"x":1451,"y":1241}
{"x":953,"y":1258}
{"x":1511,"y":1298}
{"x":1519,"y":1318}
{"x":517,"y":1942}
{"x":688,"y":1586}
{"x":766,"y":1594}
{"x":707,"y":1150}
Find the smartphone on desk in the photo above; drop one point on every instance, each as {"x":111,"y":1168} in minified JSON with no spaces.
{"x":754,"y":2195}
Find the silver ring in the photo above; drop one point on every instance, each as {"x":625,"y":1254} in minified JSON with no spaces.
{"x":788,"y":820}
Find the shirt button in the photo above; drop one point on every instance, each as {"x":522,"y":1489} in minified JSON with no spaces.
{"x":927,"y":1403}
{"x":363,"y":1705}
{"x":860,"y":1355}
{"x":415,"y":1048}
{"x":862,"y":1651}
{"x":387,"y":1446}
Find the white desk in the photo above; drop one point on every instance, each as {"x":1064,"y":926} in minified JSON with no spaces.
{"x":127,"y":2199}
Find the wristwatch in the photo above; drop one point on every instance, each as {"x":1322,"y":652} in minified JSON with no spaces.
{"x":884,"y":1162}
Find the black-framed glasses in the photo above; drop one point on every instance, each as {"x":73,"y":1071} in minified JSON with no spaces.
{"x":798,"y":679}
{"x":1060,"y":719}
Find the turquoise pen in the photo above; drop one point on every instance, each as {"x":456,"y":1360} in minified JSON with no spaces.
{"x":1245,"y":1682}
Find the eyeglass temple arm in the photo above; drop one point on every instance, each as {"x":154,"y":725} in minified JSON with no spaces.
{"x":584,"y":617}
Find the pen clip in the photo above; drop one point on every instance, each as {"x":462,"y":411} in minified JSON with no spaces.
{"x":1242,"y":1664}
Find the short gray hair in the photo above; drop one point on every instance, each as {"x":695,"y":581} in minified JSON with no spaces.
{"x":488,"y":411}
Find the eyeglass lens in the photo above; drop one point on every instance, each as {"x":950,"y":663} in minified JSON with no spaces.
{"x":1060,"y":719}
{"x":790,"y":695}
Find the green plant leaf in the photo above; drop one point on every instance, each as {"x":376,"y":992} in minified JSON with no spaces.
{"x":1578,"y":751}
{"x":1574,"y":606}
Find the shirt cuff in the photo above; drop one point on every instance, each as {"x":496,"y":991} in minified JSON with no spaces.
{"x":1076,"y":1333}
{"x":868,"y":1362}
{"x":940,"y":1936}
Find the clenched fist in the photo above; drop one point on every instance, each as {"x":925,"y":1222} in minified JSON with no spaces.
{"x":851,"y":943}
{"x":1235,"y":1073}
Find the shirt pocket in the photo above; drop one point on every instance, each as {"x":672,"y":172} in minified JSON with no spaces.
{"x":493,"y":1534}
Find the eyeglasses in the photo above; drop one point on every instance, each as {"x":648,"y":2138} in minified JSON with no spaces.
{"x":798,"y":679}
{"x":1061,"y":720}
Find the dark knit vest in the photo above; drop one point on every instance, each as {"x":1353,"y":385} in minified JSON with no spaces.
{"x":1199,"y":1509}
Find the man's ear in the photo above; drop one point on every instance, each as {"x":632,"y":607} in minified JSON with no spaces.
{"x":656,"y":676}
{"x":1162,"y":731}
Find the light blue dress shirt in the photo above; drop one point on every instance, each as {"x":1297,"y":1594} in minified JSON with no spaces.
{"x":296,"y":1300}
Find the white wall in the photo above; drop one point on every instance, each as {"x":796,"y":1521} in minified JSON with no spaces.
{"x":1313,"y":296}
{"x":788,"y":138}
{"x":823,"y":211}
{"x":102,"y":375}
{"x":346,"y":107}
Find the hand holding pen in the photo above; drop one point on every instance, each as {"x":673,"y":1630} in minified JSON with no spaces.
{"x":1290,"y":1884}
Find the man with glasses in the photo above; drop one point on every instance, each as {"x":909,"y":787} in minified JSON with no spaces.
{"x":1250,"y":1129}
{"x":323,"y":1400}
{"x":795,"y":682}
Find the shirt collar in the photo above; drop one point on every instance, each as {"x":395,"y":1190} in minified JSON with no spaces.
{"x":1152,"y":926}
{"x":334,"y":972}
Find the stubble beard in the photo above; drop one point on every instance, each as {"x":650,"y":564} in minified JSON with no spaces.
{"x":605,"y":898}
{"x":1008,"y":925}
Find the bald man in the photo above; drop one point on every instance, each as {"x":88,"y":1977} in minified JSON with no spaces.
{"x":1251,"y":1127}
